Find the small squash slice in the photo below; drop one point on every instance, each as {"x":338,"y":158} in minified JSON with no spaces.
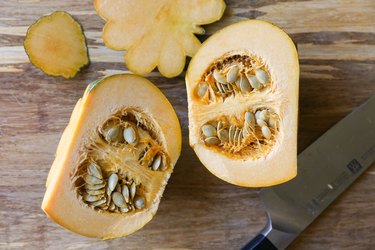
{"x":242,"y":88}
{"x":114,"y":158}
{"x":56,"y":45}
{"x":156,"y":33}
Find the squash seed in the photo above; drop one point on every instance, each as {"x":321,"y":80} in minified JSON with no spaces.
{"x":92,"y":180}
{"x":139,"y":202}
{"x":113,"y":134}
{"x":245,"y":85}
{"x":249,"y":118}
{"x":130,"y":135}
{"x":240,"y":136}
{"x":261,"y":123}
{"x":124,"y":209}
{"x":118,"y":199}
{"x":94,"y":187}
{"x":272,"y":122}
{"x":208,"y":130}
{"x":202,"y":89}
{"x":98,"y":202}
{"x":112,"y":206}
{"x":133,"y":189}
{"x":266,"y":132}
{"x":232,"y":130}
{"x":232,"y":74}
{"x":156,"y":163}
{"x":95,"y":170}
{"x":219,"y":77}
{"x":245,"y":132}
{"x":264,"y":115}
{"x":112,"y":181}
{"x":125,"y":192}
{"x":223,"y":135}
{"x":261,"y":76}
{"x":96,"y":192}
{"x":257,"y":114}
{"x":236,"y":134}
{"x":91,"y":198}
{"x":254,"y":82}
{"x":163,"y":164}
{"x":212,"y":140}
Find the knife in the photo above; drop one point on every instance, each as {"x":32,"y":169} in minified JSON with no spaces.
{"x":325,"y":169}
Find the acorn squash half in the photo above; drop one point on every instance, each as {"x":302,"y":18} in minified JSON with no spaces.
{"x":114,"y":158}
{"x":242,"y":88}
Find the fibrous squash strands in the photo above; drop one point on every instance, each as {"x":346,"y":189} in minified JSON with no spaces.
{"x":56,"y":45}
{"x":156,"y":33}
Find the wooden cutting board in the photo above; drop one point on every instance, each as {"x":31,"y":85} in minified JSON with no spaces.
{"x":336,"y":43}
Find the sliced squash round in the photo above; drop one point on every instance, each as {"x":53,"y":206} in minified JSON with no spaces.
{"x":114,"y":158}
{"x":156,"y":33}
{"x":242,"y":88}
{"x":56,"y":45}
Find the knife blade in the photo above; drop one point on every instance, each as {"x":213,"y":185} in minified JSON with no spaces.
{"x":325,"y":169}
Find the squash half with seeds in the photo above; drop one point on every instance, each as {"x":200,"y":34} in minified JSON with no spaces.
{"x":242,"y":88}
{"x":114,"y":158}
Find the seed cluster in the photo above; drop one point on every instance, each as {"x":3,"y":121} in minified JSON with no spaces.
{"x":104,"y":181}
{"x":234,"y":75}
{"x":114,"y":193}
{"x":251,"y":128}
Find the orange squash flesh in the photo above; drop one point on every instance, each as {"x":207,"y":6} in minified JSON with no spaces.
{"x":100,"y":100}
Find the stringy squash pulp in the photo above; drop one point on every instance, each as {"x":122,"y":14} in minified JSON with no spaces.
{"x":114,"y":158}
{"x":242,"y":88}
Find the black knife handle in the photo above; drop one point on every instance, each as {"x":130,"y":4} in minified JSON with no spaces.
{"x":260,"y":242}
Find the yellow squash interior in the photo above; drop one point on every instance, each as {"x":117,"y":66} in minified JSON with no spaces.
{"x":156,"y":33}
{"x":102,"y":100}
{"x":56,"y":45}
{"x":276,"y":51}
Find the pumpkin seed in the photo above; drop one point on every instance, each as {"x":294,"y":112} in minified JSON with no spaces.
{"x":94,"y":187}
{"x":232,"y":130}
{"x":202,"y":89}
{"x":245,"y":132}
{"x":262,"y":76}
{"x":249,"y":118}
{"x":139,"y":202}
{"x":212,"y":140}
{"x":96,"y":192}
{"x":125,"y":193}
{"x":92,"y":180}
{"x":112,"y":181}
{"x":208,"y":130}
{"x":124,"y":209}
{"x":163,"y":164}
{"x":254,"y":82}
{"x":113,"y":134}
{"x":223,"y":135}
{"x":236,"y":134}
{"x":238,"y":82}
{"x":245,"y":85}
{"x":130,"y":135}
{"x":257,"y":114}
{"x":118,"y":199}
{"x":98,"y":202}
{"x":219,"y":125}
{"x":133,"y":189}
{"x":118,"y":188}
{"x":156,"y":163}
{"x":92,"y":198}
{"x":219,"y":77}
{"x":272,"y":122}
{"x":264,"y":115}
{"x":94,"y":170}
{"x":240,"y":136}
{"x":112,"y":206}
{"x":261,"y":123}
{"x":266,"y":132}
{"x":220,"y":88}
{"x":232,"y":74}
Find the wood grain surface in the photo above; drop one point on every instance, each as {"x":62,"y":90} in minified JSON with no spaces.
{"x":336,"y":43}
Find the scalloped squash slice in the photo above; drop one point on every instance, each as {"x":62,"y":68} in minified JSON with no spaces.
{"x":56,"y":45}
{"x":114,"y":158}
{"x":242,"y":88}
{"x":156,"y":33}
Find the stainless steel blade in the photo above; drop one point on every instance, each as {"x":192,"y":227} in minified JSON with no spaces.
{"x":325,"y":169}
